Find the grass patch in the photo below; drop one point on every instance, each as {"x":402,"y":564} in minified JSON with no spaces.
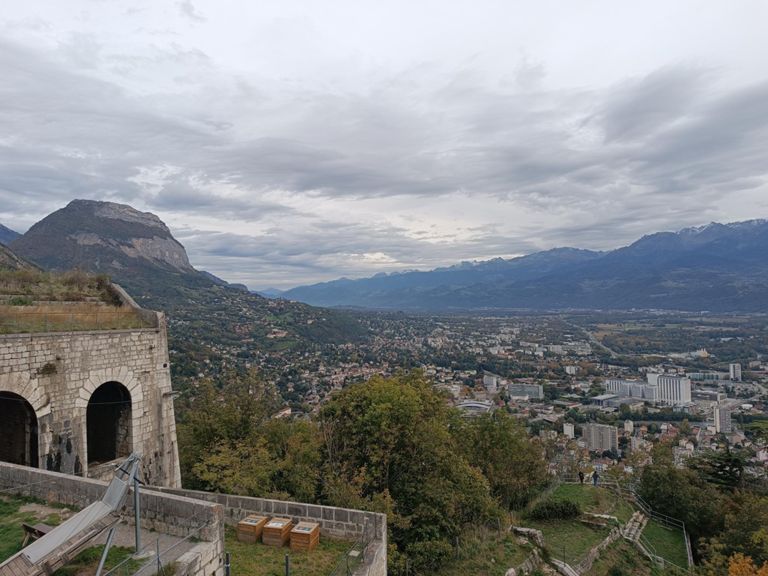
{"x":260,"y":560}
{"x":621,"y":559}
{"x":595,"y":500}
{"x":11,"y":532}
{"x":569,"y":540}
{"x":487,"y":552}
{"x":669,"y":543}
{"x":88,"y":560}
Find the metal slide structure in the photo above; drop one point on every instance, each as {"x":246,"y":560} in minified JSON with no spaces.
{"x":63,"y":543}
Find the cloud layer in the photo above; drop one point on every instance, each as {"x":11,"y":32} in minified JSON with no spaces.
{"x":281,"y":173}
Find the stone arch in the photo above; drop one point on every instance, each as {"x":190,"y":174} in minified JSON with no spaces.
{"x":18,"y":431}
{"x":109,"y":423}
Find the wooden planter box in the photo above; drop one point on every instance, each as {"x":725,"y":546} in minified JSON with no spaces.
{"x":305,"y":536}
{"x":277,"y":532}
{"x":249,"y":528}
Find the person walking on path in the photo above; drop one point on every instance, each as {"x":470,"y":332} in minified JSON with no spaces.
{"x":595,"y":477}
{"x":581,"y":477}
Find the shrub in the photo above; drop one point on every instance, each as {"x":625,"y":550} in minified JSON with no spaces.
{"x":554,"y":510}
{"x":20,"y":301}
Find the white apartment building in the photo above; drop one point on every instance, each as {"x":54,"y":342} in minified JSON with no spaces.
{"x":601,"y":437}
{"x":631,"y":389}
{"x":735,"y":372}
{"x":671,"y":389}
{"x":722,"y":418}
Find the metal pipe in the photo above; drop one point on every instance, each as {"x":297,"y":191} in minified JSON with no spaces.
{"x":137,"y":512}
{"x":106,"y":551}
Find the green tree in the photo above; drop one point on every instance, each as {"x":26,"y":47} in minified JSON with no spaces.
{"x":682,"y":494}
{"x":499,"y":446}
{"x":389,"y":447}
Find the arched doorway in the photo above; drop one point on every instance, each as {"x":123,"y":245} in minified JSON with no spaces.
{"x":18,"y":430}
{"x":108,"y":423}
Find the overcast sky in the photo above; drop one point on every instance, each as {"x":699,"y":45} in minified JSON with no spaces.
{"x":289,"y":142}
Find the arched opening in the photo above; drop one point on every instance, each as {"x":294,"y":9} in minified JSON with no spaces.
{"x":108,"y":423}
{"x":18,"y":430}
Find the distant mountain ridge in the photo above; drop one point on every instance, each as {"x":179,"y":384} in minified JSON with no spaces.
{"x":7,"y":235}
{"x":717,"y":267}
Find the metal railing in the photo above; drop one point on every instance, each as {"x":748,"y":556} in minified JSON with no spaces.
{"x":356,"y":555}
{"x":628,"y":491}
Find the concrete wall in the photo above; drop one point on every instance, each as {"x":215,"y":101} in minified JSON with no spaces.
{"x":58,"y":372}
{"x":335,"y":522}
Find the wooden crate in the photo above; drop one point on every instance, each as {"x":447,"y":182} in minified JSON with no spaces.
{"x":305,"y":536}
{"x":249,"y":528}
{"x":277,"y":532}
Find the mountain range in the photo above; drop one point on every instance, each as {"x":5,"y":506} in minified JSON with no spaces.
{"x":717,"y":267}
{"x":210,"y":320}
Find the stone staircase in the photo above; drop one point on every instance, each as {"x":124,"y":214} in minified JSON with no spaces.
{"x":634,"y":528}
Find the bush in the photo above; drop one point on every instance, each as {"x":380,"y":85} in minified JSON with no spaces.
{"x":20,"y":301}
{"x":554,"y":510}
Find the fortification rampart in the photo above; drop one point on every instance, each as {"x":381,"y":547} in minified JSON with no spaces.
{"x":75,"y":402}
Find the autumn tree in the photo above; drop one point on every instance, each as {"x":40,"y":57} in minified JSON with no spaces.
{"x":389,"y":447}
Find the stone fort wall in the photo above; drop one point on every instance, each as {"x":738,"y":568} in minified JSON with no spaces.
{"x":58,"y":374}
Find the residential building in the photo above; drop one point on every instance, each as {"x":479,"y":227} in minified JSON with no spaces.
{"x":491,"y":382}
{"x":520,"y":390}
{"x":601,"y":437}
{"x":722,"y":417}
{"x":569,"y":429}
{"x":671,"y":389}
{"x":735,"y":371}
{"x":632,"y":389}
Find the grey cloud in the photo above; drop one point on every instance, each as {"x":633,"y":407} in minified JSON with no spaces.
{"x":188,"y":9}
{"x":326,"y":249}
{"x":638,"y":108}
{"x":606,"y":165}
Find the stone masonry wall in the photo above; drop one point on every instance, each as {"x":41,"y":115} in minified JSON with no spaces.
{"x":165,"y":513}
{"x":58,"y":372}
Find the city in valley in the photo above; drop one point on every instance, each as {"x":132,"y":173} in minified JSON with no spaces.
{"x":596,"y":387}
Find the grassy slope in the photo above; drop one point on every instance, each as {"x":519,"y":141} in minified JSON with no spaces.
{"x":594,"y":500}
{"x":485,"y":552}
{"x":570,"y":540}
{"x":622,"y":558}
{"x":669,"y":544}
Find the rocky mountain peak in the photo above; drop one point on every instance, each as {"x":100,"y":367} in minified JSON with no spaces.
{"x":103,"y":237}
{"x":115,"y":211}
